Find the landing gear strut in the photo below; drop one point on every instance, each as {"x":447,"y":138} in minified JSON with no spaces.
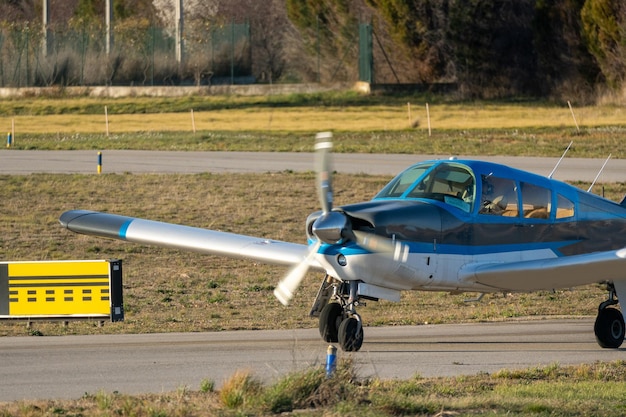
{"x":338,"y":320}
{"x":609,"y":327}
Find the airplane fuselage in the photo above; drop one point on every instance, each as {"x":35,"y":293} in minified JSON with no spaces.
{"x":538,"y":218}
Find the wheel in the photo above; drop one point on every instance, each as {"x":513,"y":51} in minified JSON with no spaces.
{"x":350,"y":335}
{"x":609,"y":328}
{"x":330,"y":319}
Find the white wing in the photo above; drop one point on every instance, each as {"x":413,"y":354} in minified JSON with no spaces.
{"x":547,"y":274}
{"x":184,"y":237}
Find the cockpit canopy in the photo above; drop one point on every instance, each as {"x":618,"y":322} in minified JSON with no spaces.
{"x":488,"y":189}
{"x":446,"y":181}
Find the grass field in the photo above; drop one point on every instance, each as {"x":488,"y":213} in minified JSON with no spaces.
{"x":585,"y":390}
{"x":306,"y":119}
{"x":168,"y":290}
{"x":367,"y":124}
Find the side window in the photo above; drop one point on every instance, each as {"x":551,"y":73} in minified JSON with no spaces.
{"x":535,"y":201}
{"x":499,"y":197}
{"x":564,"y":207}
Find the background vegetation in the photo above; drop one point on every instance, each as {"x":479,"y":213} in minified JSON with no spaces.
{"x":494,"y":48}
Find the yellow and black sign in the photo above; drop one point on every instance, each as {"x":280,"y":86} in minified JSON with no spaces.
{"x":61,"y":289}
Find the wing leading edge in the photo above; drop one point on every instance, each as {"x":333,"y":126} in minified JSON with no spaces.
{"x":183,"y":237}
{"x":549,"y":273}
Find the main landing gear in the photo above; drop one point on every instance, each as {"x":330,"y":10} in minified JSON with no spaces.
{"x":339,"y":322}
{"x":609,"y":327}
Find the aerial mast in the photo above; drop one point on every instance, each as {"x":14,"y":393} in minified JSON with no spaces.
{"x":109,"y":25}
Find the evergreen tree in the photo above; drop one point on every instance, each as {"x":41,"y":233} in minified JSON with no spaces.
{"x":492,"y":44}
{"x":564,"y":63}
{"x":604,"y":23}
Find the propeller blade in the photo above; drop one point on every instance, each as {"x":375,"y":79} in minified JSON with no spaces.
{"x":323,"y":145}
{"x":286,"y":288}
{"x":379,"y":244}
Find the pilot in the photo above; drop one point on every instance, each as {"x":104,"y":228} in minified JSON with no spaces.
{"x":491,"y":202}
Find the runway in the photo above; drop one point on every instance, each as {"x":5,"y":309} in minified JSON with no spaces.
{"x":121,"y":161}
{"x":69,"y":366}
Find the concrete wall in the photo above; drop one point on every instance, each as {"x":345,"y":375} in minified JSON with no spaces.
{"x":172,"y":91}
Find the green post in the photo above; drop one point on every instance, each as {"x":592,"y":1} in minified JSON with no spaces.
{"x":366,"y":58}
{"x":319,"y":77}
{"x":232,"y":53}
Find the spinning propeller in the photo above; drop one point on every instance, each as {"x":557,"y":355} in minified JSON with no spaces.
{"x":332,"y":227}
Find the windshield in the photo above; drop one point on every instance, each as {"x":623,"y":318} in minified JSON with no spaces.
{"x":400,"y":184}
{"x":448,"y":182}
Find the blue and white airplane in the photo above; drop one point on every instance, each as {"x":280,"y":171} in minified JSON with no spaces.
{"x":442,"y":225}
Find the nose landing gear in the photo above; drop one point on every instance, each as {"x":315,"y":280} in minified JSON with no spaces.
{"x":609,"y":326}
{"x":338,"y":320}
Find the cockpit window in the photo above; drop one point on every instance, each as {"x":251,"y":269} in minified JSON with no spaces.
{"x":451,"y":183}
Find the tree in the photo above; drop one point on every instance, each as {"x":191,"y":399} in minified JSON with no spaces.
{"x":492,"y":44}
{"x":329,"y":29}
{"x":564,"y":64}
{"x":270,"y":32}
{"x":604,"y":23}
{"x":421,"y":26}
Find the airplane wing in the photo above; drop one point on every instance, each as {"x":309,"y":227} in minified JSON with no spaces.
{"x":549,"y":273}
{"x":184,"y":237}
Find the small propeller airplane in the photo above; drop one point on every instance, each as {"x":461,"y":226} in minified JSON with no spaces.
{"x":440,"y":225}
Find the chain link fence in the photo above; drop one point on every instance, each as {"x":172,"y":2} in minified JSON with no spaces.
{"x":140,"y":55}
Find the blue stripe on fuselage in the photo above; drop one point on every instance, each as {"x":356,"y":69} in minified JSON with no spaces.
{"x":446,"y":249}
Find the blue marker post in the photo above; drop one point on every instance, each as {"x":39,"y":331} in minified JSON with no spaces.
{"x":331,"y":360}
{"x":9,"y":139}
{"x":99,"y":162}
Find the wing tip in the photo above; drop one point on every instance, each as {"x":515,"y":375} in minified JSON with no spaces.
{"x":69,"y":216}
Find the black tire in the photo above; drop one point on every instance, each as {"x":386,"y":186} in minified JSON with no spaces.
{"x":330,"y":319}
{"x":609,"y":328}
{"x":350,"y":335}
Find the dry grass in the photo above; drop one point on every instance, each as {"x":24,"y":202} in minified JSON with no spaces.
{"x":166,"y":290}
{"x":311,"y":118}
{"x":584,"y":390}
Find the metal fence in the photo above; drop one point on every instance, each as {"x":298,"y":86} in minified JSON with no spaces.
{"x":140,"y":55}
{"x":144,"y":55}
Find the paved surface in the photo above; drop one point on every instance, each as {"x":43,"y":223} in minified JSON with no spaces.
{"x":67,"y":367}
{"x":25,"y":162}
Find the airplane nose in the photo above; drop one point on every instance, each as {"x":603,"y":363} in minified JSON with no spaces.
{"x":331,"y":227}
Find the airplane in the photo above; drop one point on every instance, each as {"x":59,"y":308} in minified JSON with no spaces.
{"x":451,"y":225}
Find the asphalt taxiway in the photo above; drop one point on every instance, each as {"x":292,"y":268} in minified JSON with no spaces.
{"x":121,"y":161}
{"x":70,"y":366}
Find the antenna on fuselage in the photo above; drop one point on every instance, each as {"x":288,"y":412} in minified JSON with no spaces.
{"x":597,"y":176}
{"x":560,"y":159}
